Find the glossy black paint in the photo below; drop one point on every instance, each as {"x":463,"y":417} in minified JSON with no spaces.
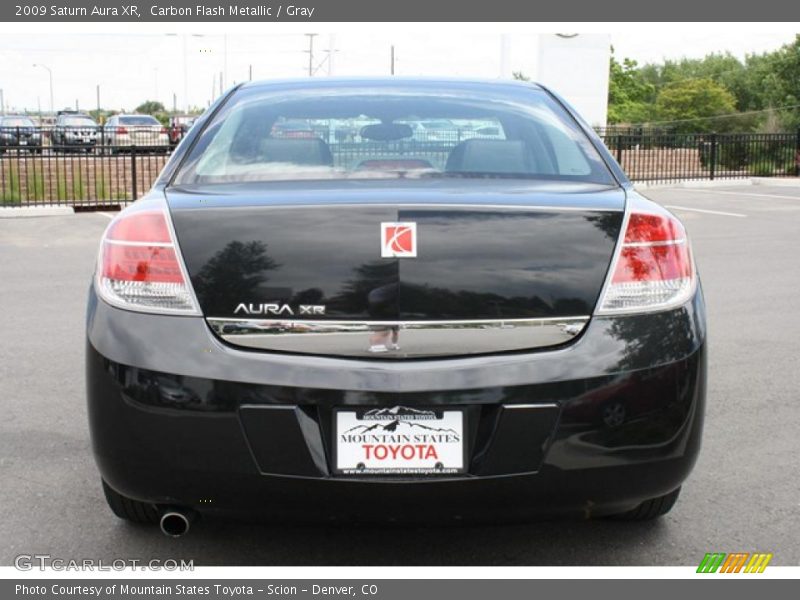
{"x":524,"y":251}
{"x":596,"y":427}
{"x":180,"y":437}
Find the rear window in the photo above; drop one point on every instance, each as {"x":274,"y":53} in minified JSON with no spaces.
{"x":16,"y":122}
{"x":139,"y":120}
{"x":306,"y":134}
{"x":79,"y":122}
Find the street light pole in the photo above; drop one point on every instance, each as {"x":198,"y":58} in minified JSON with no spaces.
{"x":185,"y":77}
{"x":50,"y":73}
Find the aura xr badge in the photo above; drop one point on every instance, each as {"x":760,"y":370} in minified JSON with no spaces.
{"x":398,"y":240}
{"x":278,"y":309}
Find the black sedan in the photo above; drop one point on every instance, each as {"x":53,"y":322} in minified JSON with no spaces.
{"x":385,"y":327}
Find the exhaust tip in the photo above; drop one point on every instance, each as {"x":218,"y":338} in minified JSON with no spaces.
{"x":175,"y":523}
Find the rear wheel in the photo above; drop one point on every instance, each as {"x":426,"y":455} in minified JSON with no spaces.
{"x":129,"y":509}
{"x":651,"y":509}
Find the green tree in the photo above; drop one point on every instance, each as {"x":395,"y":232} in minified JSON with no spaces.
{"x":629,"y":95}
{"x":780,"y":81}
{"x":696,"y":105}
{"x":150,"y":107}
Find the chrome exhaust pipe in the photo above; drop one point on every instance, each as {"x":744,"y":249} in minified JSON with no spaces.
{"x":175,"y":522}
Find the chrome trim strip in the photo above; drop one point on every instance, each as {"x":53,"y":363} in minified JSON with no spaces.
{"x":141,"y":244}
{"x":652,"y":244}
{"x":397,"y":339}
{"x":403,"y":205}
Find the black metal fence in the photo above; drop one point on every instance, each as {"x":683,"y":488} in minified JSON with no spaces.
{"x":42,"y":166}
{"x":81,"y":166}
{"x":652,"y":155}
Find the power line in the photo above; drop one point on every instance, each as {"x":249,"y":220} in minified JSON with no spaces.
{"x":722,"y":116}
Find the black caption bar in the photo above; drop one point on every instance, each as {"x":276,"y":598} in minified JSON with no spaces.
{"x":392,"y":589}
{"x":399,"y":11}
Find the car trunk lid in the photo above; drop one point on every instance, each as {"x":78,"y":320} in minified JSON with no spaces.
{"x":272,"y":264}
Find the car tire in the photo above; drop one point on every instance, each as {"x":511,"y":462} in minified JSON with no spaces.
{"x":650,"y":509}
{"x":129,"y":509}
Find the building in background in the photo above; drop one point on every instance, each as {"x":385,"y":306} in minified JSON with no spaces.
{"x":574,"y":65}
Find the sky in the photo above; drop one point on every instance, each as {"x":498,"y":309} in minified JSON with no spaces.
{"x":131,"y":67}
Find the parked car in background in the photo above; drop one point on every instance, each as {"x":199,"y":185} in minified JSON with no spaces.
{"x":179,"y":126}
{"x":74,"y":131}
{"x":438,"y":130}
{"x":19,"y":132}
{"x":293,"y":129}
{"x":122,"y":132}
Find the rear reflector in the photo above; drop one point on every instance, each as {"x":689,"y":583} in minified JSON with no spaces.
{"x":138,"y":267}
{"x":654,"y":269}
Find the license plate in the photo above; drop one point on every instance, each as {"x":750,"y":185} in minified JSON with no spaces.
{"x":399,"y":441}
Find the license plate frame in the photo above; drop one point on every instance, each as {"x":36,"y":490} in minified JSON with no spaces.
{"x":407,"y":441}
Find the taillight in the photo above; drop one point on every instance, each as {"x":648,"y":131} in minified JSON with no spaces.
{"x":122,"y":130}
{"x":654,"y":269}
{"x":139,"y":268}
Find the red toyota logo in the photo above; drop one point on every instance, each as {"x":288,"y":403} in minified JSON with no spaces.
{"x":398,"y":240}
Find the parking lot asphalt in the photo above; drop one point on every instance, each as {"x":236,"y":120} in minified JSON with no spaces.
{"x":743,"y":496}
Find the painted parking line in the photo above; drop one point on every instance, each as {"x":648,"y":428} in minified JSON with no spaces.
{"x":748,"y":194}
{"x":710,"y":212}
{"x":105,"y":214}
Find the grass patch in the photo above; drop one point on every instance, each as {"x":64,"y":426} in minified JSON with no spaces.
{"x":10,"y":190}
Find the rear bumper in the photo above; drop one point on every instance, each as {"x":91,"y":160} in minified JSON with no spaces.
{"x":177,"y":417}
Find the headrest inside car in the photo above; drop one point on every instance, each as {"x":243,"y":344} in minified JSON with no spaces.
{"x":296,"y":151}
{"x":495,"y":156}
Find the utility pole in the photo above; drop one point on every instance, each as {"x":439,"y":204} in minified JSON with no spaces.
{"x":250,"y":73}
{"x":310,"y":51}
{"x":224,"y":80}
{"x":2,"y":103}
{"x":98,"y":102}
{"x":391,"y":68}
{"x":174,"y":102}
{"x":331,"y":53}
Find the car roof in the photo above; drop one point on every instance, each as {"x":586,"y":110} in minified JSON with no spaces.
{"x":421,"y":83}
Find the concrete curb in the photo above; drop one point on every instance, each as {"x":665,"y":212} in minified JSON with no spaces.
{"x":777,"y":181}
{"x":11,"y":212}
{"x":717,"y":183}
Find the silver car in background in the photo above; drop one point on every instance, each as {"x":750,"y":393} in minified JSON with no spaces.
{"x":145,"y":132}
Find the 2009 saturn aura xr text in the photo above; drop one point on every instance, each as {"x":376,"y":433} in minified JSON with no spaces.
{"x":364,"y":298}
